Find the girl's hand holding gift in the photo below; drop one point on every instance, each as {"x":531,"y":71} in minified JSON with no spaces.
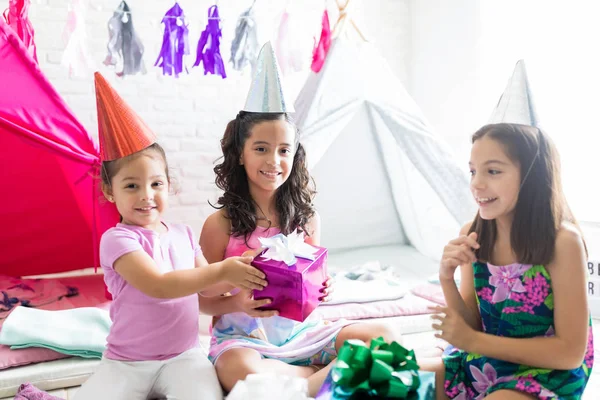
{"x":238,"y":272}
{"x":327,"y":289}
{"x":245,"y":302}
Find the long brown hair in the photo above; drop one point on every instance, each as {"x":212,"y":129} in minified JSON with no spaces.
{"x":293,"y":200}
{"x":541,"y":205}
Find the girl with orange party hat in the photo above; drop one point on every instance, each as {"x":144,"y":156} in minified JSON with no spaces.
{"x":153,"y":269}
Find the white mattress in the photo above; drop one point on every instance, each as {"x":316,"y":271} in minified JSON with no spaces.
{"x":47,"y":375}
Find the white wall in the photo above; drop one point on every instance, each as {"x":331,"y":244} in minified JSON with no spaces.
{"x":443,"y":68}
{"x":557,"y":45}
{"x":190,"y":113}
{"x":463,"y":53}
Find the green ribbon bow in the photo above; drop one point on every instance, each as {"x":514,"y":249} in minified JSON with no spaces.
{"x":380,"y":370}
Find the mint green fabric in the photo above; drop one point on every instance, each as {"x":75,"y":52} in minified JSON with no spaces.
{"x":78,"y":332}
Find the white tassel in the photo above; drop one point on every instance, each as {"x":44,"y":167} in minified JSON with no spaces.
{"x":291,"y":55}
{"x":76,"y":56}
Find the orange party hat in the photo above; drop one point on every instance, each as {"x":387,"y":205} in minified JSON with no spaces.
{"x":121,"y":131}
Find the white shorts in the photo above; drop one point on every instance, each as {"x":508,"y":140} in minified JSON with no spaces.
{"x":189,"y":376}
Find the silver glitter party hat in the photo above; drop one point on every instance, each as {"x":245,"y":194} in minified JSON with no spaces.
{"x":516,"y":103}
{"x":266,"y":93}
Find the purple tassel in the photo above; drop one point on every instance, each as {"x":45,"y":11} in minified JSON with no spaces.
{"x":175,"y":43}
{"x":208,"y":51}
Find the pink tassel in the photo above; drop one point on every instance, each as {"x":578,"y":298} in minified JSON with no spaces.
{"x":16,"y":17}
{"x":321,"y":49}
{"x":76,"y":56}
{"x":291,"y":55}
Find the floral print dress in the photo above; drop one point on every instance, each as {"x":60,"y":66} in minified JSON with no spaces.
{"x":514,"y":301}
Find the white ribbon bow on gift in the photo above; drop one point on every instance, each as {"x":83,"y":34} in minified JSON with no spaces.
{"x":287,"y":248}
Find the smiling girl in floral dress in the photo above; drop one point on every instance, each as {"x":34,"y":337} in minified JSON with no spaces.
{"x":519,"y":327}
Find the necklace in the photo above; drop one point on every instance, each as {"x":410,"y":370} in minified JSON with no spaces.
{"x":264,"y":217}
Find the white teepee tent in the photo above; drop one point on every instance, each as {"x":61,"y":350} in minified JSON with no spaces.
{"x":383,"y":177}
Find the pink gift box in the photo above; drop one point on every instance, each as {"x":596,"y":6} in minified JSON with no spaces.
{"x":294,"y":290}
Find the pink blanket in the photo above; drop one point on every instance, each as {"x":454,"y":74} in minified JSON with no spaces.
{"x":408,"y":305}
{"x":431,"y":292}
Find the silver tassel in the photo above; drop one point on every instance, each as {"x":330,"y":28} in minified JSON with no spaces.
{"x":244,"y":48}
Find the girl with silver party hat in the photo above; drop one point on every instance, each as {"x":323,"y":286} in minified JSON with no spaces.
{"x":267,"y":191}
{"x":517,"y":325}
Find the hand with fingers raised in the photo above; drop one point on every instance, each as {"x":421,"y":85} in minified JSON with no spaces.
{"x":245,"y":302}
{"x":238,"y":272}
{"x":452,"y":327}
{"x":458,"y":252}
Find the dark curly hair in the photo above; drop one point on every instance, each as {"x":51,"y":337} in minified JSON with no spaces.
{"x":293,"y":200}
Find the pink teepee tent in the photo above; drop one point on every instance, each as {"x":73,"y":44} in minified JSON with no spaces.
{"x":50,"y":203}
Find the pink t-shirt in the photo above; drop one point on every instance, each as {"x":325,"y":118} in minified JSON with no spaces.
{"x":144,"y":327}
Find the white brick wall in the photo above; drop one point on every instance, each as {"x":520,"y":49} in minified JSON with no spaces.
{"x":189,"y":114}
